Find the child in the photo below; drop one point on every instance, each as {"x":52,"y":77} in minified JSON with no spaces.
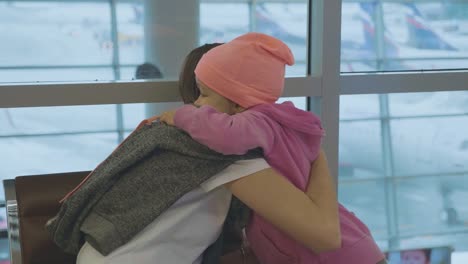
{"x":239,"y":83}
{"x":416,"y":256}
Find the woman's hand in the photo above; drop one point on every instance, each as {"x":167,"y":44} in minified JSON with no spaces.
{"x":168,"y":117}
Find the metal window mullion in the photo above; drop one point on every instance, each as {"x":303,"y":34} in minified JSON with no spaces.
{"x":325,"y":59}
{"x":118,"y":92}
{"x":380,"y":36}
{"x":419,"y":117}
{"x":252,"y":17}
{"x":462,"y":231}
{"x":446,"y":58}
{"x":116,"y":67}
{"x":378,"y":83}
{"x":407,"y":177}
{"x":389,"y":183}
{"x":87,"y":93}
{"x":312,"y":104}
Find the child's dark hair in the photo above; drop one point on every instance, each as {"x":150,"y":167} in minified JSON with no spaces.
{"x":187,"y":84}
{"x":425,"y":251}
{"x":148,"y":71}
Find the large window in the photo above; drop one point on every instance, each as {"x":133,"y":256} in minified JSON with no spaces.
{"x":403,"y":165}
{"x":80,"y":41}
{"x":107,"y":40}
{"x":402,"y":154}
{"x":392,"y":93}
{"x":403,"y":35}
{"x":93,"y":42}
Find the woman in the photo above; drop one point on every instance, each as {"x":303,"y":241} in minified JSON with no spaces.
{"x":189,"y":93}
{"x":310,"y":217}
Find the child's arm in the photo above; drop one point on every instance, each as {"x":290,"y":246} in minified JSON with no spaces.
{"x":311,"y":220}
{"x":227,"y":134}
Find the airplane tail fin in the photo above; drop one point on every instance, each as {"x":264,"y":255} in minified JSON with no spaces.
{"x":391,"y":50}
{"x":370,"y":37}
{"x":422,"y":36}
{"x":265,"y":23}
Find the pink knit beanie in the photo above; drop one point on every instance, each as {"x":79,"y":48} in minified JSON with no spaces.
{"x":248,"y":70}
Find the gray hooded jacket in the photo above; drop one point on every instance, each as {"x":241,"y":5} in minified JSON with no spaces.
{"x":145,"y":175}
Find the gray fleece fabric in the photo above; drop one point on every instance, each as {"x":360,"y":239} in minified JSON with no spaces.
{"x":152,"y":169}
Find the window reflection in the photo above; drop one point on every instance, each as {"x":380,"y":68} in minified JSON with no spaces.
{"x":412,"y":146}
{"x":53,"y":33}
{"x":398,"y":36}
{"x":86,"y":41}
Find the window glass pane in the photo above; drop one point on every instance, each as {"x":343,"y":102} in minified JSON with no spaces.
{"x":288,"y":22}
{"x":53,"y":33}
{"x":409,"y":35}
{"x":433,"y":103}
{"x":299,"y":102}
{"x":432,"y":204}
{"x":130,"y":30}
{"x":419,"y":146}
{"x":53,"y":154}
{"x":459,"y":257}
{"x":221,"y":22}
{"x":86,"y":41}
{"x":128,"y":73}
{"x":360,"y":150}
{"x":56,"y":74}
{"x":430,"y":145}
{"x":367,"y":200}
{"x":361,"y":106}
{"x":133,"y":114}
{"x":357,"y":47}
{"x":64,"y":119}
{"x":360,"y":144}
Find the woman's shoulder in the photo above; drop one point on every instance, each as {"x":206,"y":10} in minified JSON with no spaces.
{"x":235,"y":171}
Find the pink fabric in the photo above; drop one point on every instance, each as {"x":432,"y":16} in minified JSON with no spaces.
{"x":290,"y":139}
{"x":248,"y":70}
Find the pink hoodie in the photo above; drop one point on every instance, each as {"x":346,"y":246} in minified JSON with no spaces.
{"x":290,"y":139}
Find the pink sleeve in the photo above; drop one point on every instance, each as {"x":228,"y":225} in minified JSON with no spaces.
{"x":223,"y":133}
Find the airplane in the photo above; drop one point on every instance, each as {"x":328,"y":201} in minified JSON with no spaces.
{"x":293,"y":30}
{"x":359,"y":40}
{"x":409,"y":42}
{"x":425,"y":36}
{"x":425,"y":47}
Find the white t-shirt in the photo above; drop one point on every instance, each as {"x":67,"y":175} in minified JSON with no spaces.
{"x":183,"y":232}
